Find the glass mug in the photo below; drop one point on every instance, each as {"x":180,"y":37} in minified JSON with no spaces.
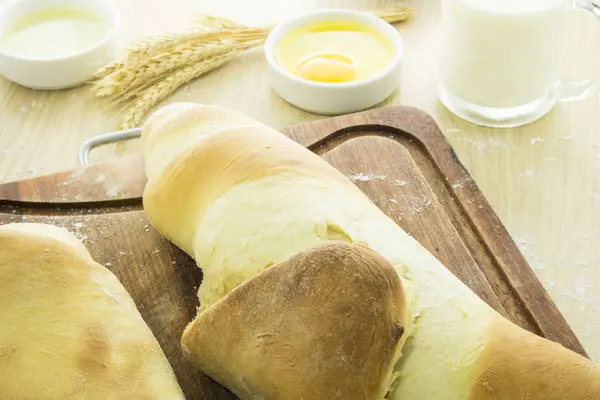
{"x":501,"y":59}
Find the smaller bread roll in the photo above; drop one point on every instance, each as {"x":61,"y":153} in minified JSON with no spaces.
{"x":68,"y":328}
{"x":328,"y":323}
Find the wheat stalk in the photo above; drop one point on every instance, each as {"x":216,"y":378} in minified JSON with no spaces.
{"x":117,"y":83}
{"x":160,"y":90}
{"x":155,"y":67}
{"x":393,"y":15}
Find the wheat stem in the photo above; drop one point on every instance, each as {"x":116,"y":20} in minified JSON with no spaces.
{"x":154,"y":94}
{"x":393,"y":15}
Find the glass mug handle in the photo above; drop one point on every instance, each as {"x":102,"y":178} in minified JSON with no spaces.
{"x":589,"y":5}
{"x":567,"y":89}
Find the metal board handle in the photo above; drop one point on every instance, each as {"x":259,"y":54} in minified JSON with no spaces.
{"x":111,"y":137}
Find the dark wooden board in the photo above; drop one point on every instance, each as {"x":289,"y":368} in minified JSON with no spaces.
{"x":396,"y":155}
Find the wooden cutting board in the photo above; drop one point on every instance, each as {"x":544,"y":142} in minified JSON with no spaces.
{"x":396,"y":155}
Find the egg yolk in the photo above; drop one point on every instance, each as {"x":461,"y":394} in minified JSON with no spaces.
{"x":334,"y":52}
{"x":327,"y":68}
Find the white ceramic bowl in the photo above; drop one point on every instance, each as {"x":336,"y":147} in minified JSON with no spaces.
{"x":334,"y":98}
{"x":61,"y":72}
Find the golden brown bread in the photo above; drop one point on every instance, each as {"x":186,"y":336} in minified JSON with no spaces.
{"x":68,"y":328}
{"x":192,"y":168}
{"x":239,"y":196}
{"x":326,"y":324}
{"x":519,"y":365}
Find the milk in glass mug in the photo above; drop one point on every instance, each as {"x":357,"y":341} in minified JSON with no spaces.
{"x":501,"y":59}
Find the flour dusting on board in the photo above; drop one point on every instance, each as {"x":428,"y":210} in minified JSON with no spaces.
{"x":111,"y":189}
{"x":74,"y":175}
{"x":361,"y":177}
{"x":114,"y":191}
{"x":76,"y":229}
{"x":421,"y":204}
{"x":100,"y":178}
{"x":460,"y":183}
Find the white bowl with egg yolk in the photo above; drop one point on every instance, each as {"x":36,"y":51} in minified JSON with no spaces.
{"x":57,"y":44}
{"x":334,"y":94}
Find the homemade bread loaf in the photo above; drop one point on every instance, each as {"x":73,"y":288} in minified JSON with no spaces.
{"x":68,"y":328}
{"x":239,"y":197}
{"x":326,"y":324}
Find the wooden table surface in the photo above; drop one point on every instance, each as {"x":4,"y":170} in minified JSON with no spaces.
{"x":543,"y":179}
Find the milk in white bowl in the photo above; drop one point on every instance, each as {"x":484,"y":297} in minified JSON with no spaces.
{"x":501,"y":59}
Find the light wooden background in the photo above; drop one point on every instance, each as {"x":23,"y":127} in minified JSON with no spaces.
{"x":543,"y":179}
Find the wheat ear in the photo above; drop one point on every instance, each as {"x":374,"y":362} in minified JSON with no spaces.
{"x":154,"y":67}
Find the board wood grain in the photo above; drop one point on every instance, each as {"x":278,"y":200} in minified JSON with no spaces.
{"x":396,"y":155}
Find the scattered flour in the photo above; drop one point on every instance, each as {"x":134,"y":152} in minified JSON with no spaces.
{"x":550,"y":284}
{"x":587,"y":331}
{"x":488,"y":145}
{"x":114,"y":191}
{"x":424,"y":202}
{"x":526,"y":244}
{"x":536,"y":140}
{"x":100,"y":178}
{"x":582,"y":291}
{"x":529,"y":173}
{"x":459,"y":184}
{"x":360,"y":177}
{"x":109,"y":294}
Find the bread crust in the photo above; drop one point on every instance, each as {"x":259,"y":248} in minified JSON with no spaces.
{"x":251,"y":150}
{"x":68,"y":328}
{"x":326,"y":324}
{"x":519,"y":365}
